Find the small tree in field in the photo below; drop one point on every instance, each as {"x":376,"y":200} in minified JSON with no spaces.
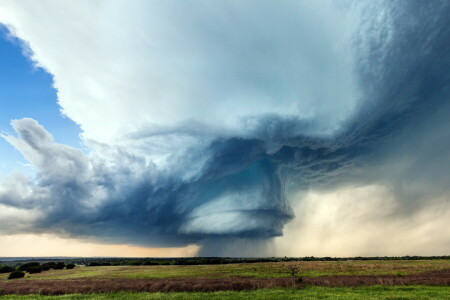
{"x":294,"y":270}
{"x":47,"y":266}
{"x":59,"y":266}
{"x":16,"y":274}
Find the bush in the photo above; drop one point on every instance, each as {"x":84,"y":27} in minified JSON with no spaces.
{"x":59,"y":266}
{"x":294,"y":270}
{"x":24,"y":267}
{"x":47,"y":266}
{"x":16,"y":274}
{"x":70,"y":266}
{"x":34,"y":270}
{"x":6,"y":269}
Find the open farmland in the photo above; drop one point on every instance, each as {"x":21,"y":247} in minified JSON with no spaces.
{"x":253,"y":270}
{"x":314,"y":280}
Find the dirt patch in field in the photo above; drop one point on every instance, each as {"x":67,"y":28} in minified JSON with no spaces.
{"x":440,"y":277}
{"x":58,"y":287}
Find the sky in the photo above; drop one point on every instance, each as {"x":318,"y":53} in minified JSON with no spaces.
{"x":27,"y":90}
{"x":226,"y":128}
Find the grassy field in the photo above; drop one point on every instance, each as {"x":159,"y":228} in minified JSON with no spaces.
{"x":95,"y":281}
{"x":371,"y":292}
{"x":255,"y":270}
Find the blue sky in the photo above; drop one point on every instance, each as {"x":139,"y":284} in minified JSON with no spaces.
{"x":27,"y":91}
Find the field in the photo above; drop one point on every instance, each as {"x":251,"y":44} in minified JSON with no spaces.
{"x":369,"y":293}
{"x":381,"y":279}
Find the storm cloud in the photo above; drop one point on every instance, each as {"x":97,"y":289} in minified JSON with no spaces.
{"x":202,"y":121}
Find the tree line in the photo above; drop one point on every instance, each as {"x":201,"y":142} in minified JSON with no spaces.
{"x":33,"y":268}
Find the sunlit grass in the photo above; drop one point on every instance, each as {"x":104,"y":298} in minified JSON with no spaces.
{"x":256,"y":270}
{"x":371,"y":292}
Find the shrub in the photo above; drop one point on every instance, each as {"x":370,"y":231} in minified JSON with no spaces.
{"x":294,"y":270}
{"x":16,"y":274}
{"x":6,"y":269}
{"x":59,"y":266}
{"x":70,"y":266}
{"x":34,"y":269}
{"x":94,"y":264}
{"x":47,"y":266}
{"x":24,"y":267}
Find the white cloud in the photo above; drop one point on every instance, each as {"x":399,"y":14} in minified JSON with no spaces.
{"x":120,"y":65}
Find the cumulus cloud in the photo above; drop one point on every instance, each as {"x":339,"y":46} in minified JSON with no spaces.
{"x":204,"y":122}
{"x":166,"y":65}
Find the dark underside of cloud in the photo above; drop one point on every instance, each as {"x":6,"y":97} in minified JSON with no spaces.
{"x":398,"y":137}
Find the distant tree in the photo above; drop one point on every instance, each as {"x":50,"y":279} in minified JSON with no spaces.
{"x":34,"y":269}
{"x":70,"y":266}
{"x":47,"y":266}
{"x":6,"y":269}
{"x":24,"y":267}
{"x":59,"y":266}
{"x":135,"y":262}
{"x":16,"y":274}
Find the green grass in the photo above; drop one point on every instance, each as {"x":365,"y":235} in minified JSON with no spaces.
{"x":256,"y":270}
{"x":372,"y":292}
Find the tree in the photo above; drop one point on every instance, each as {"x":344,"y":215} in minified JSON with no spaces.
{"x":59,"y":266}
{"x":16,"y":274}
{"x":47,"y":266}
{"x":34,"y":269}
{"x":6,"y":269}
{"x":294,"y":269}
{"x":24,"y":267}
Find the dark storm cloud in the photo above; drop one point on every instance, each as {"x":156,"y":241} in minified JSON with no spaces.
{"x":239,"y":193}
